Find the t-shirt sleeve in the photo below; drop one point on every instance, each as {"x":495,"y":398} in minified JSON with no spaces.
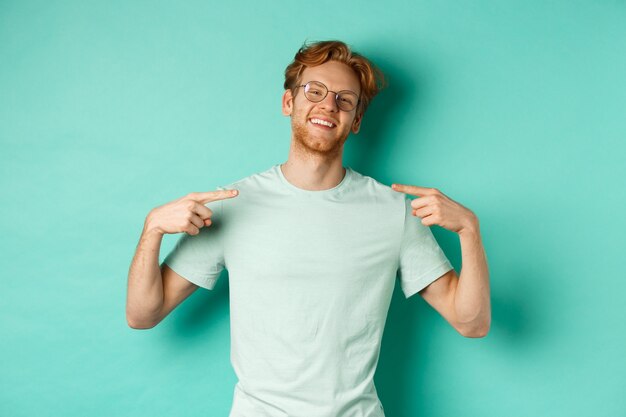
{"x":421,"y":259}
{"x":200,"y":258}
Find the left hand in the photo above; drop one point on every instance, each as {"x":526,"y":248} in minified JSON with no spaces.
{"x":434,"y":207}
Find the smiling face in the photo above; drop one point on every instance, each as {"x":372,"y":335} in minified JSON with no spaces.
{"x":322,"y":128}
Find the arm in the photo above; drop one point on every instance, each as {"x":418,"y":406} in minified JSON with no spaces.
{"x":463,"y":301}
{"x":153,"y":291}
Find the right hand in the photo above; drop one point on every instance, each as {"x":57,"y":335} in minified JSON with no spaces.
{"x":187,"y":214}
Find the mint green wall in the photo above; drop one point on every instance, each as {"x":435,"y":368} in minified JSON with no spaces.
{"x":515,"y":109}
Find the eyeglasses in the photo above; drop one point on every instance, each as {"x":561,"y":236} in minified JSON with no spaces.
{"x":315,"y":91}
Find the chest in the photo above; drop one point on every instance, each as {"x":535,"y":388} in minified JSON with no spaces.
{"x":305,"y":238}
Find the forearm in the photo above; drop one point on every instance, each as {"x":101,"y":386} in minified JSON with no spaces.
{"x":145,"y":285}
{"x":472,"y":297}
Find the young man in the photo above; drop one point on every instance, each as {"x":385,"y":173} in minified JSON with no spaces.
{"x":313,"y":250}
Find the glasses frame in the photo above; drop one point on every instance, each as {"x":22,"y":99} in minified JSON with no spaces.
{"x":358,"y":101}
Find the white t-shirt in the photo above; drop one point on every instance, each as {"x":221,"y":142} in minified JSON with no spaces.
{"x":311,"y":275}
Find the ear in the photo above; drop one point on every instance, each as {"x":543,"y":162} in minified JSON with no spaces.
{"x":287,"y":103}
{"x":356,"y":124}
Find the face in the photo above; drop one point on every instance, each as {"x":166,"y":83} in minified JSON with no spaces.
{"x":314,"y":137}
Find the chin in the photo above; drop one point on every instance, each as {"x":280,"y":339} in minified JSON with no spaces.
{"x":318,"y":145}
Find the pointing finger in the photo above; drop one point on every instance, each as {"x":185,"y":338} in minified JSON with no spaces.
{"x":208,"y":196}
{"x":413,"y":189}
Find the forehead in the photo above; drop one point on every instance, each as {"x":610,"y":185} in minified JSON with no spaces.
{"x":335,"y":75}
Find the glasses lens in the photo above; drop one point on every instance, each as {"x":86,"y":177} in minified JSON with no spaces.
{"x":347,"y":100}
{"x":315,"y":91}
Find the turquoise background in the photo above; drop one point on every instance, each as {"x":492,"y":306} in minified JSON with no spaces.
{"x":515,"y":109}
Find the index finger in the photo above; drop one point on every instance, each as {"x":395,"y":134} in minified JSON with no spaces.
{"x":412,"y":189}
{"x":208,"y":196}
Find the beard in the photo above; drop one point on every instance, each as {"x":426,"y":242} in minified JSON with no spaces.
{"x":312,"y":145}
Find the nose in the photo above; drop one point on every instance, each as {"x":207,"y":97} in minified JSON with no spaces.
{"x":329,"y":102}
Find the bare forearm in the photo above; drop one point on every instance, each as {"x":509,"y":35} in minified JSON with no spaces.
{"x":472,"y":296}
{"x":145,"y":284}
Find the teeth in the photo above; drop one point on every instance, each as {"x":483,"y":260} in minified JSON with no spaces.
{"x":322,"y":122}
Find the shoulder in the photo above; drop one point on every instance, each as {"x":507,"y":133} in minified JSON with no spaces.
{"x":252,"y":182}
{"x":377,"y":190}
{"x":251,"y":188}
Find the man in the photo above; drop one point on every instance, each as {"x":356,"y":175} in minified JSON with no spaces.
{"x":313,"y":250}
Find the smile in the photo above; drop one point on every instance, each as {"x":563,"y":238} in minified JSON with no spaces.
{"x":322,"y":122}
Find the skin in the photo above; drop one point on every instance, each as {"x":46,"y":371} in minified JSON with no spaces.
{"x":315,"y":163}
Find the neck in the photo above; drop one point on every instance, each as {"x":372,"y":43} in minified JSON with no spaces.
{"x":313,"y":172}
